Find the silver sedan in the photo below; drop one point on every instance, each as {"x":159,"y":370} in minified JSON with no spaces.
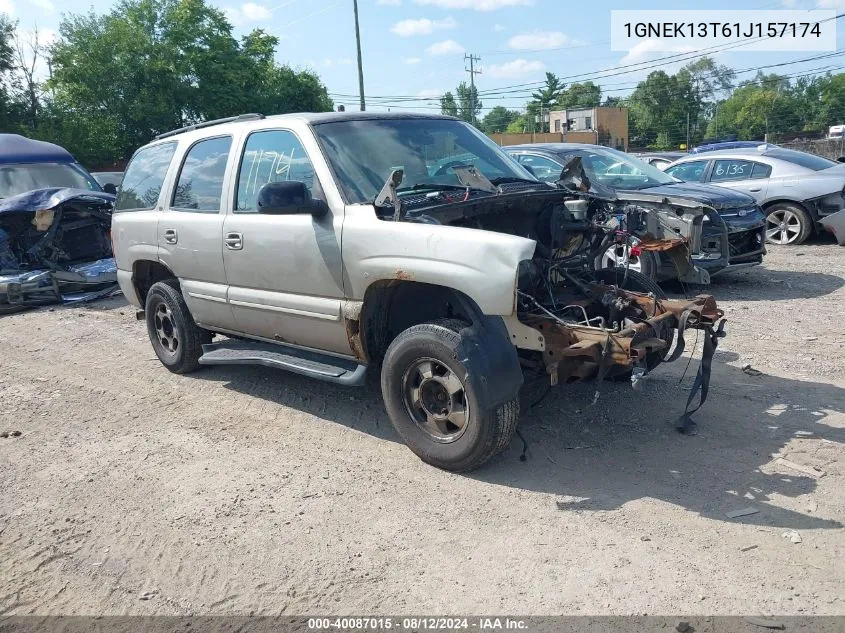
{"x":795,"y":189}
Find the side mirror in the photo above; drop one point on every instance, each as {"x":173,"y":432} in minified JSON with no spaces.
{"x":289,"y":197}
{"x":110,"y":187}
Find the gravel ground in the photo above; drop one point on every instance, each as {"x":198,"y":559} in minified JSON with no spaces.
{"x":240,"y":490}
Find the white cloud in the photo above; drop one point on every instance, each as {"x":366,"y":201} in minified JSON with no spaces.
{"x":430,"y":93}
{"x":45,"y":5}
{"x":389,"y":3}
{"x":498,"y":28}
{"x":446,"y":47}
{"x":7,"y":6}
{"x":476,"y":5}
{"x":248,"y":12}
{"x":542,"y":40}
{"x":516,"y":68}
{"x":423,"y":26}
{"x":643,"y":51}
{"x":411,"y":60}
{"x":830,"y":4}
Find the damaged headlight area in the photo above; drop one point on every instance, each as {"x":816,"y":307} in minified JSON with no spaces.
{"x":574,"y":321}
{"x":55,"y":247}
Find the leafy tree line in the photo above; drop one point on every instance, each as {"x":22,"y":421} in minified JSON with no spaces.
{"x":703,"y":100}
{"x":147,"y":66}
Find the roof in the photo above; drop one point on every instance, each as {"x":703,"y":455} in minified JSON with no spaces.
{"x":555,"y":147}
{"x":737,"y":151}
{"x":310,"y":118}
{"x":15,"y":148}
{"x":660,"y":154}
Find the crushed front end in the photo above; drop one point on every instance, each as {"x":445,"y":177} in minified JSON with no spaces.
{"x":573,"y":321}
{"x":55,"y":247}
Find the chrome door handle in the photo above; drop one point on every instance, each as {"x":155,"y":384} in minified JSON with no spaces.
{"x":234,"y":241}
{"x":170,"y":236}
{"x":758,"y":189}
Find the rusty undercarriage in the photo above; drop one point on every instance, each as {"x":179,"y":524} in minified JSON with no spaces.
{"x":574,"y":321}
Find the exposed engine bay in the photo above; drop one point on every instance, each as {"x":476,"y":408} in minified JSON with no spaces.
{"x":591,"y":323}
{"x":54,"y":247}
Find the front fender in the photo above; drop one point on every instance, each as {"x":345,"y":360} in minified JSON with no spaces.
{"x":481,"y":264}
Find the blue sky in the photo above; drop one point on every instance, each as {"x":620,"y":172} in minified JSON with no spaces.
{"x":415,"y":48}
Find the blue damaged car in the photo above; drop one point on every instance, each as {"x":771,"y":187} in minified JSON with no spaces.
{"x":55,"y":223}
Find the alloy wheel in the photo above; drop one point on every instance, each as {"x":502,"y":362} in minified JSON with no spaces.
{"x":166,"y":332}
{"x":782,"y":227}
{"x":618,"y":256}
{"x":436,"y":400}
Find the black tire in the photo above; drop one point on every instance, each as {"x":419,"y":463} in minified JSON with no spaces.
{"x":165,"y":311}
{"x":639,"y":283}
{"x":787,"y":211}
{"x":485,"y":432}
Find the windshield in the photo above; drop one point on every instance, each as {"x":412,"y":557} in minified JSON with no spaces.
{"x":612,"y":169}
{"x":17,"y":179}
{"x":364,"y":153}
{"x":802,"y":159}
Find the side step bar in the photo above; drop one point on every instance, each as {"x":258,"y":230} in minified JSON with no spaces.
{"x":313,"y":364}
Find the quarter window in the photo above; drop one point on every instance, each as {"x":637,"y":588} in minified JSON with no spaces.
{"x":692,"y":171}
{"x":200,"y":184}
{"x":144,"y":177}
{"x":271,"y":156}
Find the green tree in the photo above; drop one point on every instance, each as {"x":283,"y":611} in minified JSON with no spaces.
{"x":543,"y":99}
{"x":9,"y":114}
{"x":832,"y":101}
{"x":448,"y":105}
{"x":585,"y":94}
{"x":148,"y":66}
{"x":768,"y":105}
{"x":660,"y":105}
{"x":469,"y":105}
{"x":519,"y":125}
{"x":498,"y":120}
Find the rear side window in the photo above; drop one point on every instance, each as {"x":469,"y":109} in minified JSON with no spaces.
{"x":692,"y":171}
{"x":271,"y":156}
{"x":144,"y":177}
{"x":802,"y":159}
{"x":200,"y":184}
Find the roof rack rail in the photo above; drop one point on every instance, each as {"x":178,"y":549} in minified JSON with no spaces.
{"x":252,"y":116}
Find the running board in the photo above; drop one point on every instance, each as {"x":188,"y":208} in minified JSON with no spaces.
{"x":313,"y":364}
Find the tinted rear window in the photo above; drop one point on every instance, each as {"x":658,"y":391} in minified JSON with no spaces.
{"x":802,"y":159}
{"x":144,"y":177}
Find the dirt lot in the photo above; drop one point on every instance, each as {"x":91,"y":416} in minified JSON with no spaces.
{"x":239,"y":490}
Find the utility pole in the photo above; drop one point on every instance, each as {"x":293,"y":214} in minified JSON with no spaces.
{"x":687,"y":130}
{"x":472,"y":73}
{"x":360,"y":64}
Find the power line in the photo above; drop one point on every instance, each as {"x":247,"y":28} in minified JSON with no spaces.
{"x":397,"y":100}
{"x":635,"y":67}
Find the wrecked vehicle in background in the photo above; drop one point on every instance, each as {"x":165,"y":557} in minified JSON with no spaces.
{"x":459,"y":274}
{"x":54,"y":228}
{"x":733,"y":234}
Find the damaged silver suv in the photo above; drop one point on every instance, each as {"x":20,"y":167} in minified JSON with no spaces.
{"x":407,"y":247}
